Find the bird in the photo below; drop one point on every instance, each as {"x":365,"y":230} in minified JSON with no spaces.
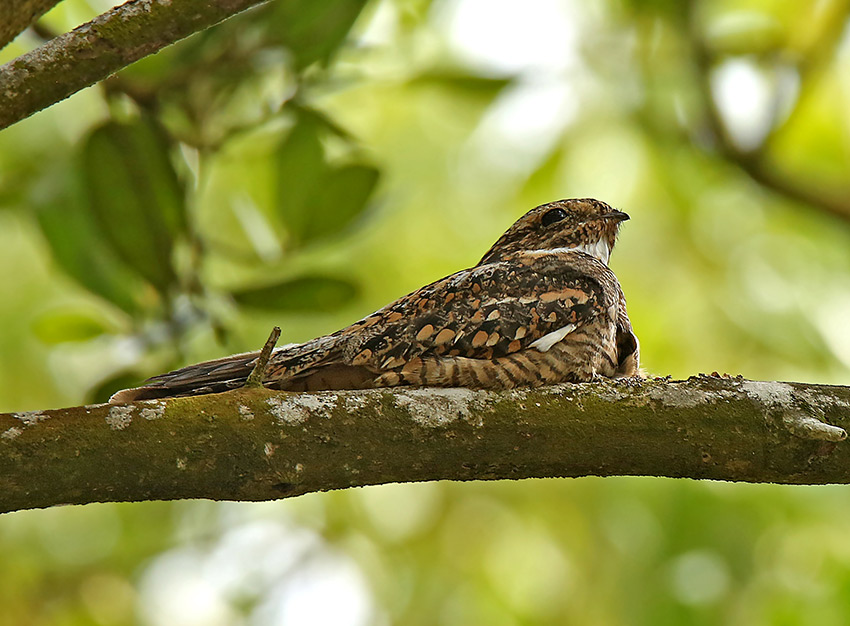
{"x":541,"y":307}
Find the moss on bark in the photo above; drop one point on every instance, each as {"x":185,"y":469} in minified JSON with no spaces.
{"x":17,"y":15}
{"x":93,"y":51}
{"x":255,"y":444}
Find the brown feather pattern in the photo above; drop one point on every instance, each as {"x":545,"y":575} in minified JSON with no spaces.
{"x":489,"y":326}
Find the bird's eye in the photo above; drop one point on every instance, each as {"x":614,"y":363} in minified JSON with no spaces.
{"x":555,"y":215}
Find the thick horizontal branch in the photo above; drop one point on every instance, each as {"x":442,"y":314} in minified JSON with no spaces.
{"x":255,"y":444}
{"x":17,"y":15}
{"x":93,"y":51}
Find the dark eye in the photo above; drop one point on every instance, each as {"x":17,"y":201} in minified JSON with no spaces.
{"x":555,"y":215}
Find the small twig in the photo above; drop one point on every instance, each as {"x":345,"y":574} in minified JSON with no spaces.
{"x":258,"y":374}
{"x":807,"y":427}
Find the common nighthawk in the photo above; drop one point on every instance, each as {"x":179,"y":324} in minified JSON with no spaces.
{"x":541,"y":307}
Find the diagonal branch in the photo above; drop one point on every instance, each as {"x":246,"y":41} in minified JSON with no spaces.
{"x":256,"y":444}
{"x":755,"y":163}
{"x":17,"y":15}
{"x":95,"y":50}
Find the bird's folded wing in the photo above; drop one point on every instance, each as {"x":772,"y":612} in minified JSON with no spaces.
{"x":485,"y":312}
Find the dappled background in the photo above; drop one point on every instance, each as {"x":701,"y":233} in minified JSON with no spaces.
{"x":307,"y":162}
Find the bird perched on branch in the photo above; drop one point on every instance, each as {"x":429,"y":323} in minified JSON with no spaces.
{"x":541,"y":307}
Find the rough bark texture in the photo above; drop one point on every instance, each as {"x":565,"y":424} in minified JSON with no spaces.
{"x":93,"y":51}
{"x":17,"y":15}
{"x":255,"y":444}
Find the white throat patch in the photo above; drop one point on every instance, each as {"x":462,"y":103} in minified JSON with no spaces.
{"x":598,"y":249}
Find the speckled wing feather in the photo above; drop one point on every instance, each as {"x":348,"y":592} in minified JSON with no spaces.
{"x":541,"y":307}
{"x":472,"y":318}
{"x":480,"y":315}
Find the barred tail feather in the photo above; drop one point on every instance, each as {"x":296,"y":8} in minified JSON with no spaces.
{"x":207,"y":377}
{"x":295,"y":366}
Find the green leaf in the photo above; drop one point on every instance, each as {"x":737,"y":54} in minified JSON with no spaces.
{"x":314,"y":199}
{"x":340,"y":198}
{"x":63,"y":326}
{"x":301,"y":165}
{"x":303,"y":294}
{"x":136,"y":196}
{"x":470,"y":85}
{"x":78,"y":246}
{"x":312,"y":30}
{"x":674,"y":10}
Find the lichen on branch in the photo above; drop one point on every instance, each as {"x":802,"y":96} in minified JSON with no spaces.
{"x":93,"y":51}
{"x":17,"y":15}
{"x":256,"y":444}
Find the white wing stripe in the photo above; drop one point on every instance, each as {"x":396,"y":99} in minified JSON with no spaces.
{"x":547,"y":341}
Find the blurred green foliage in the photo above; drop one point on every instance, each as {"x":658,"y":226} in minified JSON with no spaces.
{"x":305,"y":163}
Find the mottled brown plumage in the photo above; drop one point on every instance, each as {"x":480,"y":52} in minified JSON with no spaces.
{"x":540,"y":307}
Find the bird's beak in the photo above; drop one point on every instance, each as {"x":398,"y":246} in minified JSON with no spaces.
{"x":617,"y":216}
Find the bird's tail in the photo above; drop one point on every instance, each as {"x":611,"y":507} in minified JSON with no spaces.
{"x":295,"y":367}
{"x":207,"y":377}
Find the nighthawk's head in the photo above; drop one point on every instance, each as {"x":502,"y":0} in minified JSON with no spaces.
{"x":584,"y":224}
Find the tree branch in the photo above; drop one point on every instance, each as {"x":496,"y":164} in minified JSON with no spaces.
{"x":256,"y":444}
{"x":17,"y":15}
{"x":755,"y":163}
{"x":101,"y":47}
